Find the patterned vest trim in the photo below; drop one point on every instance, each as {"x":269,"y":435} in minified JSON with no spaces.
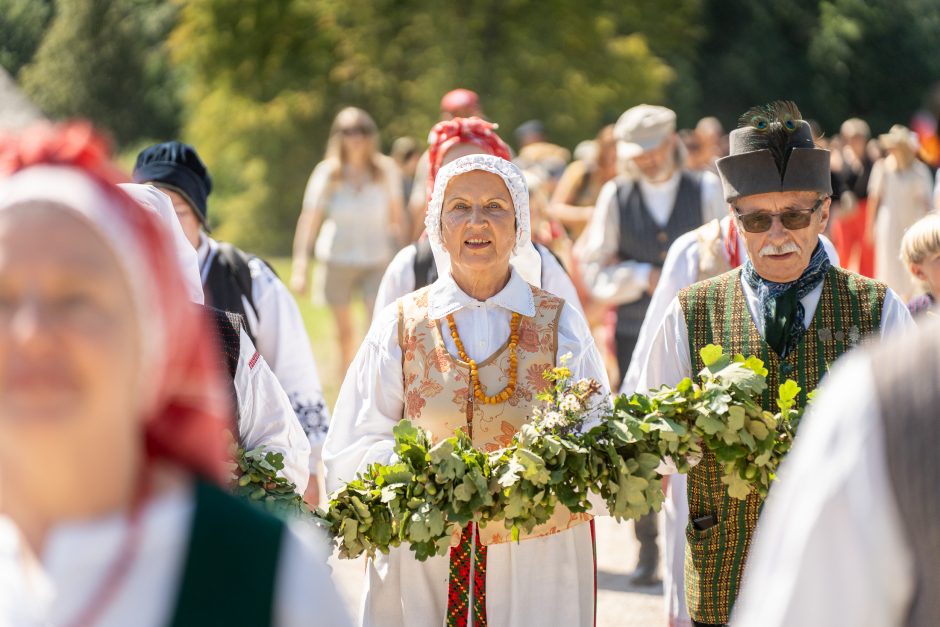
{"x":643,"y":240}
{"x":908,"y":397}
{"x":438,"y":394}
{"x":716,"y":312}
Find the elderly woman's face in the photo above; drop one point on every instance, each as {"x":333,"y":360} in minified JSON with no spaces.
{"x":478,"y":222}
{"x":69,"y":346}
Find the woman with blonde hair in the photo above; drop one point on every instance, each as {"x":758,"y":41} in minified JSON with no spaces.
{"x":899,"y":193}
{"x":920,"y":252}
{"x":353,"y":208}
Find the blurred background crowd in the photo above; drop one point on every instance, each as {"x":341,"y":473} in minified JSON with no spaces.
{"x":313,"y":118}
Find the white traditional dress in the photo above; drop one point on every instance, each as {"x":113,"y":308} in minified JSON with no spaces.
{"x":408,"y":367}
{"x":399,"y":279}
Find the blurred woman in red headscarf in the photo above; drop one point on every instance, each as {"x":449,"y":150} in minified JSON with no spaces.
{"x":112,"y":418}
{"x":413,"y":267}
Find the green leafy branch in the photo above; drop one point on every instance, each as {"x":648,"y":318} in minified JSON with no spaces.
{"x":561,"y":456}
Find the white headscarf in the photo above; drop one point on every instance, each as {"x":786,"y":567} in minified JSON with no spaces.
{"x":525,"y":259}
{"x":152,"y":199}
{"x":77,"y":192}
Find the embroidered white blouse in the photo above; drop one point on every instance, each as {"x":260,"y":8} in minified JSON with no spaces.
{"x":399,"y":279}
{"x":282,"y":339}
{"x":541,"y":581}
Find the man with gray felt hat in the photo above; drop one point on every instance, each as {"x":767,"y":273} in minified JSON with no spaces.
{"x":787,"y":305}
{"x":639,"y":214}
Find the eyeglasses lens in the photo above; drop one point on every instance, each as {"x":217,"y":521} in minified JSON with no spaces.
{"x":793,"y":220}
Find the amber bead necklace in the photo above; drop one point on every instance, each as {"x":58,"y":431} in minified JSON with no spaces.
{"x":474,"y":375}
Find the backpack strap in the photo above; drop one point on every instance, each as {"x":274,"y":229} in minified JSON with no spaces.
{"x":236,"y":262}
{"x":424,"y":267}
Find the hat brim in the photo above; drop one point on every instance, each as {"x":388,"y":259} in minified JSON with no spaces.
{"x":631,"y":150}
{"x":189,"y":201}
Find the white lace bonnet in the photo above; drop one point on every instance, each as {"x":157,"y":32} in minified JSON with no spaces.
{"x":525,"y":259}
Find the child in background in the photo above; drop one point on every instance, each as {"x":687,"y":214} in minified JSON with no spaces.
{"x":920,"y":252}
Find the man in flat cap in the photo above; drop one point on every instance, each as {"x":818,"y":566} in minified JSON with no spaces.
{"x":639,"y":214}
{"x":786,"y":304}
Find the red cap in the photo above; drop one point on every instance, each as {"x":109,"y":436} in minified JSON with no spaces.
{"x":460,"y":101}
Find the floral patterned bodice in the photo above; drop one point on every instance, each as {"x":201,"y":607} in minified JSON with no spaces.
{"x":438,"y":394}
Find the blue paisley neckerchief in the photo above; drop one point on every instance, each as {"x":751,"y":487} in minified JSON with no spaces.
{"x":780,"y":302}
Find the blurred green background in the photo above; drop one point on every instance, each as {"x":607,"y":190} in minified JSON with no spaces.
{"x":322,"y":334}
{"x":254,"y":84}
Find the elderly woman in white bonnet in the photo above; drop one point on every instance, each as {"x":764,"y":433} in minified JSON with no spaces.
{"x":468,"y":352}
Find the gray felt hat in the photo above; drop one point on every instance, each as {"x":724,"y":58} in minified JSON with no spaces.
{"x":773,"y":151}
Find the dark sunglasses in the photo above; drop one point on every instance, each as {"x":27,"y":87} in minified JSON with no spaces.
{"x":791,"y":219}
{"x":356,"y":130}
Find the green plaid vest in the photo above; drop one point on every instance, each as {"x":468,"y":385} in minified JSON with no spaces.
{"x":716,"y":313}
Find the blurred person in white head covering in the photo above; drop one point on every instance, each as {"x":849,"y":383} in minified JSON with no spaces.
{"x":263,"y":411}
{"x":112,"y":419}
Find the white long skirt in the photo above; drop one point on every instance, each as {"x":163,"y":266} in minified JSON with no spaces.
{"x":539,"y":583}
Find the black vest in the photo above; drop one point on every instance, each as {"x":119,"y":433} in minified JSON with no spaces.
{"x":228,"y":284}
{"x":643,"y":240}
{"x":227,"y":326}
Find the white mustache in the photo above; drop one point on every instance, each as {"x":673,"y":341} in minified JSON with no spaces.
{"x":770,"y":249}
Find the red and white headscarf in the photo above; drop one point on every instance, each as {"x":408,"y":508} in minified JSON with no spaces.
{"x":185,"y":397}
{"x":445,"y":135}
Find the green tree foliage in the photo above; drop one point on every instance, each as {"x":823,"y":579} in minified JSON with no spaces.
{"x":836,"y":58}
{"x":265,"y":78}
{"x":22,"y":26}
{"x":875,"y":59}
{"x":103,"y":60}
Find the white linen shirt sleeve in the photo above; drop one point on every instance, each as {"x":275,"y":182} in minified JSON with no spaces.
{"x":282,"y":339}
{"x":680,"y":269}
{"x":895,"y":316}
{"x":575,"y":337}
{"x":398,"y":280}
{"x":611,"y":281}
{"x":830,"y":548}
{"x":556,"y":281}
{"x":265,"y":416}
{"x":371,"y":402}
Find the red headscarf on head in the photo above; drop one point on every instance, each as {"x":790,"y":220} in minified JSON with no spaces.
{"x":189,"y":409}
{"x":445,"y":135}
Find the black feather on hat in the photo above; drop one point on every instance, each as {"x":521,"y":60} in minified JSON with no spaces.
{"x":772,"y":150}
